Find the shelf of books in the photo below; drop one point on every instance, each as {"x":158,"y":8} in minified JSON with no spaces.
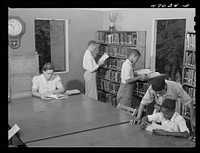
{"x":189,"y":71}
{"x":118,"y":45}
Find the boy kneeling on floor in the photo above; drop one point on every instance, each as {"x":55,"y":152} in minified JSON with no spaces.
{"x":172,"y":123}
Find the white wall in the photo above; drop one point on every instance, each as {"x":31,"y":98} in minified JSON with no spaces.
{"x":142,"y":19}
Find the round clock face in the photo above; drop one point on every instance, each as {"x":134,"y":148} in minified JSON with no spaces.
{"x":14,"y":27}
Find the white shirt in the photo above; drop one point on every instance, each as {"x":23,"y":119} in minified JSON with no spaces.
{"x":40,"y":83}
{"x":126,"y":71}
{"x":89,"y":63}
{"x":176,"y":124}
{"x":174,"y":91}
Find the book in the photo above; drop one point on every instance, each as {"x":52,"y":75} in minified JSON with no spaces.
{"x":153,"y":126}
{"x":57,"y":96}
{"x":104,"y":57}
{"x":73,"y":92}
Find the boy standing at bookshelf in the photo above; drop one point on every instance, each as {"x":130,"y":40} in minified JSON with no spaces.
{"x":90,"y":66}
{"x":124,"y":94}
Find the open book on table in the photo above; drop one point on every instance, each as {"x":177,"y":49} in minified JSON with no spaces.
{"x":57,"y":96}
{"x":153,"y":126}
{"x":150,"y":74}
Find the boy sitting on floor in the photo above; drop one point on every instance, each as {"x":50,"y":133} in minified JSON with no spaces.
{"x":171,"y":122}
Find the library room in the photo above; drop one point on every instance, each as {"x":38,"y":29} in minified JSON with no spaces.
{"x":102,"y":77}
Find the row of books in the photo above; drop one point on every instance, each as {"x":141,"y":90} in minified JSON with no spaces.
{"x":190,"y":76}
{"x":140,"y":88}
{"x":116,"y":51}
{"x":190,"y":41}
{"x":107,"y":97}
{"x":107,"y":86}
{"x":109,"y":74}
{"x":190,"y":59}
{"x":113,"y":64}
{"x":191,"y":91}
{"x":117,"y":38}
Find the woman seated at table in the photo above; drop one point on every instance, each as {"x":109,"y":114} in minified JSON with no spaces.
{"x":46,"y":83}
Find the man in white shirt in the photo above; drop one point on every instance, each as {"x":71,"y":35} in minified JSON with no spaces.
{"x":90,"y":66}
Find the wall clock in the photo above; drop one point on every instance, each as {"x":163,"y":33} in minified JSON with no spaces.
{"x":16,"y":28}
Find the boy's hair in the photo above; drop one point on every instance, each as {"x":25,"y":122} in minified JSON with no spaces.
{"x":48,"y":66}
{"x":134,"y":52}
{"x":158,"y":83}
{"x":169,"y":104}
{"x":92,"y":42}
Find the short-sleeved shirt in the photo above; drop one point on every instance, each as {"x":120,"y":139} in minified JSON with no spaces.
{"x":89,"y":64}
{"x":176,"y":124}
{"x":174,"y":91}
{"x":126,"y":71}
{"x":40,"y":83}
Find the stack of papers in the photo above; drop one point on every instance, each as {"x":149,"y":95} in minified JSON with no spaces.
{"x":73,"y":92}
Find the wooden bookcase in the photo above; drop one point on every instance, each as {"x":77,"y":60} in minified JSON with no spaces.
{"x":189,"y":71}
{"x":117,"y":44}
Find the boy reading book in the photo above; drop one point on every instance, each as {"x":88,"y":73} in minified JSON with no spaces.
{"x":124,"y":94}
{"x":171,"y":123}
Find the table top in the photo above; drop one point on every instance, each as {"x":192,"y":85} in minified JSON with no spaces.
{"x":123,"y":135}
{"x":39,"y":119}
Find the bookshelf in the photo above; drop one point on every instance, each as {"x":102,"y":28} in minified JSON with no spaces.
{"x":117,"y":44}
{"x":189,"y":71}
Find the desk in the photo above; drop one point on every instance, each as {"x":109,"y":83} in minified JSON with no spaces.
{"x":124,"y":135}
{"x":39,"y":119}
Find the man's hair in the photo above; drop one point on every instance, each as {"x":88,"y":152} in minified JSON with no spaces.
{"x":169,"y":104}
{"x":92,"y":42}
{"x":48,"y":66}
{"x":134,"y":52}
{"x":158,"y":83}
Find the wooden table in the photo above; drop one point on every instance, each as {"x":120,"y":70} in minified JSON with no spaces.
{"x":41,"y":119}
{"x":123,"y":135}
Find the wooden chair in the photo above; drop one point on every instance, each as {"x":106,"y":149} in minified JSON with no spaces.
{"x":127,"y":109}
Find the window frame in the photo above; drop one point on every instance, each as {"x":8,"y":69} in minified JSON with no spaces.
{"x":66,"y":42}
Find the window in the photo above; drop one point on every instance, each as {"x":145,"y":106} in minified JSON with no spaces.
{"x":51,"y":43}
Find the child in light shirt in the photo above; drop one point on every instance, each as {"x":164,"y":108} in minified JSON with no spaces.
{"x":90,"y":66}
{"x":124,"y":94}
{"x":172,"y":123}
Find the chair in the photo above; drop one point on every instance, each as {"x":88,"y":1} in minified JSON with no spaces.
{"x":127,"y":109}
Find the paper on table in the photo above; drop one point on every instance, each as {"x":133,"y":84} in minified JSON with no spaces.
{"x":13,"y":131}
{"x":103,"y":57}
{"x":73,"y":91}
{"x":153,"y":126}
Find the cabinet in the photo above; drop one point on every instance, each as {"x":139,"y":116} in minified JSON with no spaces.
{"x":189,"y":71}
{"x":21,"y":71}
{"x":117,"y":44}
